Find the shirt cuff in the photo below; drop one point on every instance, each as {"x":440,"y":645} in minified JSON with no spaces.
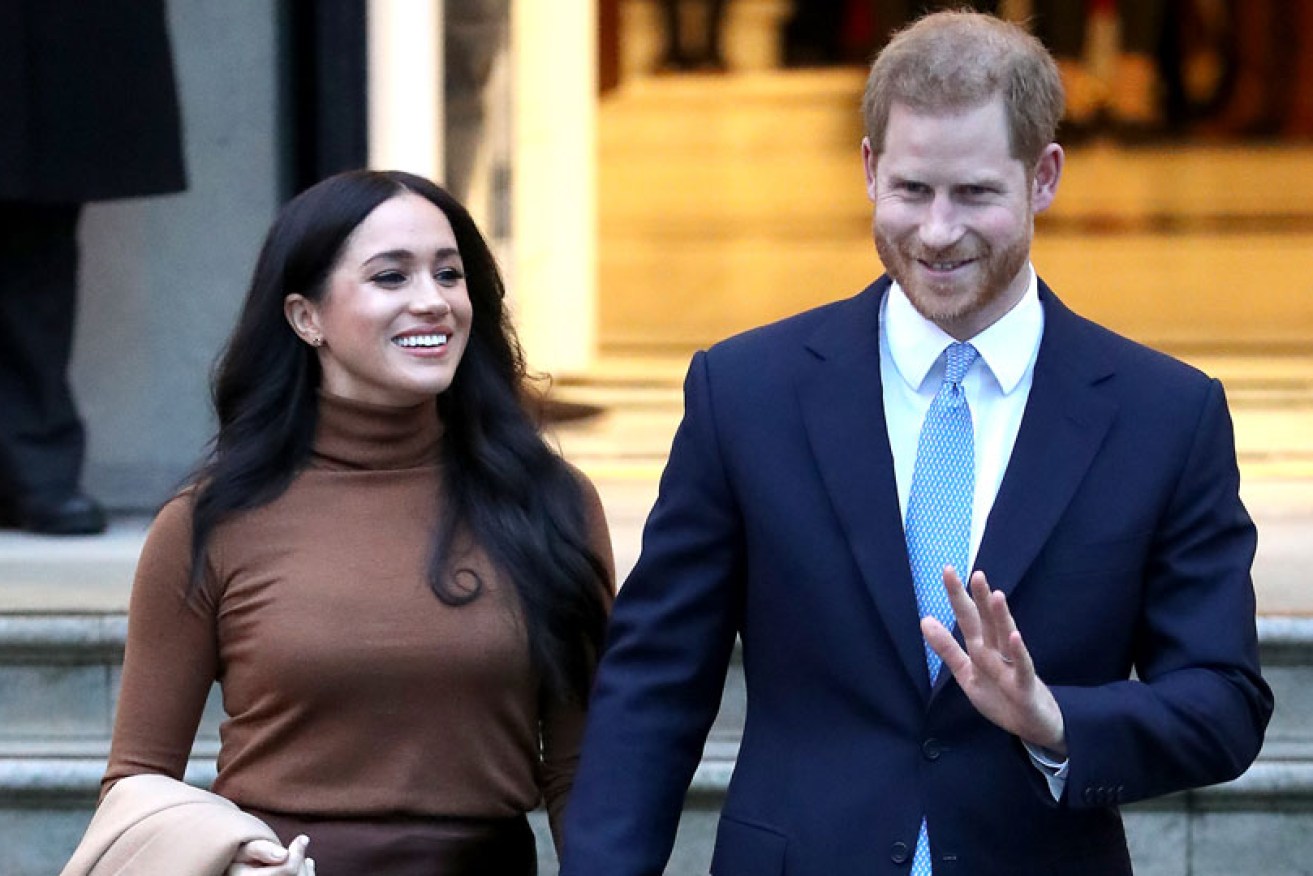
{"x":1054,"y":770}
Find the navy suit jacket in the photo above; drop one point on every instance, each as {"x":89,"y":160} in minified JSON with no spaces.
{"x":1117,"y":534}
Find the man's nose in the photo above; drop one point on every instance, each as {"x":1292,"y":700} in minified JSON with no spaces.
{"x":941,"y":226}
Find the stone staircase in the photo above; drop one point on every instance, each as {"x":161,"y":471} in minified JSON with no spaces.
{"x":59,"y":680}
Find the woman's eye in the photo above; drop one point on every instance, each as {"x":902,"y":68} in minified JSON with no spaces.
{"x":448,"y":276}
{"x":390,"y":278}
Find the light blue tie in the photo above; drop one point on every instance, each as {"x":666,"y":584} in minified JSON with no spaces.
{"x":938,"y":525}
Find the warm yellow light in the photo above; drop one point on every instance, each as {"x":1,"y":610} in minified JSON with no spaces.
{"x":405,"y":86}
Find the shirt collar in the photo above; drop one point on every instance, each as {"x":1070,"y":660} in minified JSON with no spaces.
{"x":1008,"y":347}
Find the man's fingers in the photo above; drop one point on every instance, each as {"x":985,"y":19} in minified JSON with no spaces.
{"x":990,"y":634}
{"x":941,"y":641}
{"x":964,"y":609}
{"x":1019,"y":655}
{"x":1009,"y":646}
{"x":987,"y":627}
{"x":999,"y":624}
{"x":996,"y":622}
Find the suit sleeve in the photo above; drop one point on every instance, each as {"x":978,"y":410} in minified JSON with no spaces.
{"x":669,"y":643}
{"x":1196,"y":712}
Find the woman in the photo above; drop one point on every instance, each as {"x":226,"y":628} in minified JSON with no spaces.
{"x":400,"y":587}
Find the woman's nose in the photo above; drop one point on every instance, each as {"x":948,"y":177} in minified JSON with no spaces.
{"x":429,"y":298}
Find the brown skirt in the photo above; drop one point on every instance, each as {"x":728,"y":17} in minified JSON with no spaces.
{"x":412,"y":846}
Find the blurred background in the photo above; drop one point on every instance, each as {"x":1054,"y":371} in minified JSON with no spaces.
{"x":657,"y":175}
{"x":730,"y":186}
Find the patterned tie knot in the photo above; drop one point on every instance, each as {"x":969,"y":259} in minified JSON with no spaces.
{"x":959,"y":358}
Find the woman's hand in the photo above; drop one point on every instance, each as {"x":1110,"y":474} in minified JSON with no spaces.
{"x":265,"y":858}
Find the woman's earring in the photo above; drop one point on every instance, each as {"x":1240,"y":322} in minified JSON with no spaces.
{"x":316,"y":341}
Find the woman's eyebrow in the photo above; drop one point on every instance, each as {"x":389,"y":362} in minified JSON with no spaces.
{"x":391,"y":255}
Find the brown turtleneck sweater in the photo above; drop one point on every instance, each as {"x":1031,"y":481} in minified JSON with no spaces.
{"x":350,"y":689}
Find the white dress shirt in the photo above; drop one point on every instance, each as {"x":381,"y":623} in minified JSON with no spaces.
{"x":997,"y":387}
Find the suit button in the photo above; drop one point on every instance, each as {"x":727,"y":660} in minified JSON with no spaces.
{"x":899,"y":853}
{"x":931,"y":749}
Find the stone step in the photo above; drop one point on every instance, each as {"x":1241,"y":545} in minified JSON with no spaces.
{"x":59,"y":682}
{"x":59,"y":676}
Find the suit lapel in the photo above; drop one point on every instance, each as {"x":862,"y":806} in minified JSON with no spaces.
{"x":843,"y":411}
{"x":1065,"y":422}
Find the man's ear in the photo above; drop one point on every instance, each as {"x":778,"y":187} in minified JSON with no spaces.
{"x":869,"y":159}
{"x":303,"y":316}
{"x":1048,"y":172}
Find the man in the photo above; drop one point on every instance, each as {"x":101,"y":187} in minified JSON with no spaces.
{"x":91,"y":114}
{"x":810,"y":507}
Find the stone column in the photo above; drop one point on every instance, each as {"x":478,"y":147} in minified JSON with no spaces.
{"x":554,"y":189}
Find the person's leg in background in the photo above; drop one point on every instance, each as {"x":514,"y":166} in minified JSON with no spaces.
{"x":891,"y":16}
{"x":42,"y":441}
{"x":473,"y":31}
{"x":1299,"y":112}
{"x":989,"y":6}
{"x":1060,"y":25}
{"x":707,"y":53}
{"x":714,"y":58}
{"x":673,"y":57}
{"x":1252,"y":104}
{"x":894,"y":15}
{"x":1134,"y":96}
{"x":1131,"y":99}
{"x":813,"y":35}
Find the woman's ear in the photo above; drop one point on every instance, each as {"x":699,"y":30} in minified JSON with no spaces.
{"x":303,"y":316}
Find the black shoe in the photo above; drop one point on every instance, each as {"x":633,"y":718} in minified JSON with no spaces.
{"x":712,"y":63}
{"x":673,"y":63}
{"x":70,"y":514}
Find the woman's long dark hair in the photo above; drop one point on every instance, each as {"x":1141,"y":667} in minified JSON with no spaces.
{"x":504,"y":488}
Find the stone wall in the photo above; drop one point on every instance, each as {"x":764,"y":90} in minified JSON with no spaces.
{"x":161,"y":278}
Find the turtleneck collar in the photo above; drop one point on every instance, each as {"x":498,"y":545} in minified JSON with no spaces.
{"x":359,"y":435}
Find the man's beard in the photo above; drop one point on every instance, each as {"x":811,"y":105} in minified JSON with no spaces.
{"x":953,"y":300}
